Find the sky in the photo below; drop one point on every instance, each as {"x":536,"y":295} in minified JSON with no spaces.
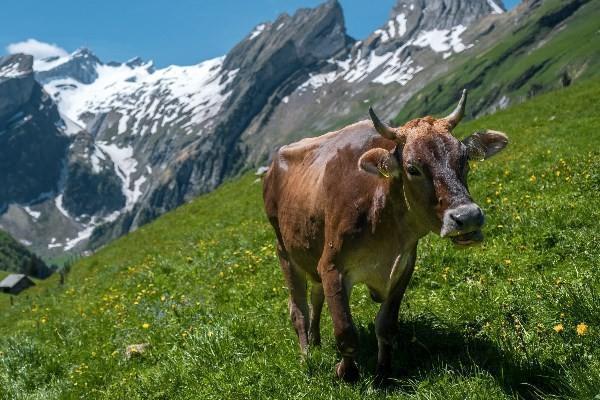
{"x":169,"y":32}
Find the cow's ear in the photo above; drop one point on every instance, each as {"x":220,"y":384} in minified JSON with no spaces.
{"x":483,"y":145}
{"x":379,"y":162}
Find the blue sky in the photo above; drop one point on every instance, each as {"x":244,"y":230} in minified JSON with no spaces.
{"x":168,"y":32}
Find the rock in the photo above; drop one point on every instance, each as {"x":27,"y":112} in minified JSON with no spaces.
{"x":81,"y":66}
{"x":16,"y":83}
{"x":136,"y":350}
{"x":91,"y":186}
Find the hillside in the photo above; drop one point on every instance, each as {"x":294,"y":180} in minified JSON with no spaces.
{"x":556,"y":46}
{"x":519,"y":316}
{"x":14,"y":257}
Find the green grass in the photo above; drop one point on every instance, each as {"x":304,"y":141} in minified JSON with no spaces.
{"x":529,"y":60}
{"x":202,"y":286}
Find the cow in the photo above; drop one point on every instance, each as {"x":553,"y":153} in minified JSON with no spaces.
{"x":350,"y":207}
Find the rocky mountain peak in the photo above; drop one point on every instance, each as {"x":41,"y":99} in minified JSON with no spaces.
{"x":436,"y":23}
{"x":311,"y":33}
{"x":446,"y":14}
{"x":16,"y":83}
{"x":80,"y":65}
{"x":15,"y":65}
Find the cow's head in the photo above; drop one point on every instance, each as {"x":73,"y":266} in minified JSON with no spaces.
{"x":433,"y":166}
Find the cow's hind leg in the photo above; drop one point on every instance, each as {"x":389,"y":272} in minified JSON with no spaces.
{"x":386,"y":322}
{"x":298,"y":304}
{"x":317,"y":298}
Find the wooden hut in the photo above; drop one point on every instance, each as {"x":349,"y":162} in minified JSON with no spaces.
{"x":15,"y":283}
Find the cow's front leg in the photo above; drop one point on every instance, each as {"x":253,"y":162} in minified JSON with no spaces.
{"x":317,"y":298}
{"x":297,"y":303}
{"x":337,"y":297}
{"x":386,"y":322}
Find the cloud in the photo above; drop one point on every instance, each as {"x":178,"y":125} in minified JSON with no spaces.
{"x":36,"y":48}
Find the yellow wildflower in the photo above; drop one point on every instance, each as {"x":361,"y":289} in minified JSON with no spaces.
{"x":146,"y":325}
{"x":582,"y":329}
{"x":558,"y":328}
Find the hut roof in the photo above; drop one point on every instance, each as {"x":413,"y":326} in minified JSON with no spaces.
{"x":11,"y":280}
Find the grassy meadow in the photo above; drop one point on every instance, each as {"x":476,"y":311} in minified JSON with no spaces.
{"x":518,"y":317}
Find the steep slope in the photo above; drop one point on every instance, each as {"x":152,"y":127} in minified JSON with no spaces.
{"x":32,"y":146}
{"x":14,"y":257}
{"x":202,"y":286}
{"x":556,"y":46}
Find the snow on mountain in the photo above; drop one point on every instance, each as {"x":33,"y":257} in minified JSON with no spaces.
{"x":137,"y":91}
{"x":13,"y":70}
{"x":257,"y":31}
{"x":495,"y":7}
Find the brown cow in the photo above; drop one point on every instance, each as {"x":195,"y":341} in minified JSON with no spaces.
{"x":350,"y":206}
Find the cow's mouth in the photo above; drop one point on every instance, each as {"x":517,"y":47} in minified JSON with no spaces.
{"x":467,"y":239}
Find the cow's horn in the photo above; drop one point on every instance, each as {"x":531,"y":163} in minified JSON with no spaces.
{"x":381,"y":127}
{"x":459,"y":112}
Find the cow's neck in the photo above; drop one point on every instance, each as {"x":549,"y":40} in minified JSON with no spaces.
{"x":407,"y":221}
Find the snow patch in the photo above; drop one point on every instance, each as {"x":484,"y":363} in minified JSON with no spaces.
{"x":46,"y":64}
{"x":34,"y":214}
{"x":12,"y":71}
{"x":68,"y":127}
{"x":442,"y":40}
{"x":125,"y":168}
{"x":258,"y":30}
{"x":395,"y":27}
{"x":123,"y":124}
{"x":81,"y":236}
{"x":496,"y":9}
{"x":95,"y":158}
{"x":58,"y":201}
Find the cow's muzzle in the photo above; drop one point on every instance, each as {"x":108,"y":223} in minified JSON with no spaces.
{"x":463,"y":224}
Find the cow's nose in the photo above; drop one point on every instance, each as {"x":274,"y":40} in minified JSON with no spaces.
{"x":462,"y":219}
{"x":467,"y":216}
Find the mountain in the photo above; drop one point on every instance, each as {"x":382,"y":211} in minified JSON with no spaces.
{"x":14,"y":257}
{"x":143,"y":140}
{"x":56,"y":184}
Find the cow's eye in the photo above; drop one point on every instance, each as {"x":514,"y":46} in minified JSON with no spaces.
{"x":412,"y":170}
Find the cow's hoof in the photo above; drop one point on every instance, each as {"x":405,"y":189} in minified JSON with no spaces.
{"x":347,"y":371}
{"x":382,"y":377}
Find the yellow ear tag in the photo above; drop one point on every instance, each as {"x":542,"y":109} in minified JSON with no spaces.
{"x":382,"y":172}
